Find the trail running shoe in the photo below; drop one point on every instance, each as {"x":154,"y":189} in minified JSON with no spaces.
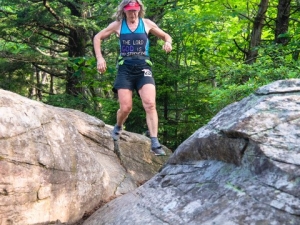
{"x":116,"y":133}
{"x":158,"y":151}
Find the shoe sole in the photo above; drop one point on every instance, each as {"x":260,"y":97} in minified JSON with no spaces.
{"x":157,"y":154}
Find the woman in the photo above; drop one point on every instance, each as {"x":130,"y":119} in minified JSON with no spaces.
{"x":134,"y":70}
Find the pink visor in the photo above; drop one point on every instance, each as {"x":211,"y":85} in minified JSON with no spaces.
{"x":132,"y":6}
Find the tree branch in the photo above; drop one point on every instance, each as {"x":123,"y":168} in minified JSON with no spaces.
{"x":50,"y":29}
{"x":48,"y":54}
{"x":51,"y":72}
{"x":52,"y":39}
{"x":236,"y":44}
{"x":54,"y":14}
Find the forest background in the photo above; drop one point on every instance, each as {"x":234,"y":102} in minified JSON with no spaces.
{"x":223,"y":50}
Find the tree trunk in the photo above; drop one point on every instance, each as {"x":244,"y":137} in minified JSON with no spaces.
{"x":77,"y":43}
{"x":258,"y":25}
{"x":282,"y":21}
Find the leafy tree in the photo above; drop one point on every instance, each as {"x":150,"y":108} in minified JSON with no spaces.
{"x":274,"y":58}
{"x":48,"y":34}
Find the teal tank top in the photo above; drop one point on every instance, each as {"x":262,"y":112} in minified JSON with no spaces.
{"x":134,"y":43}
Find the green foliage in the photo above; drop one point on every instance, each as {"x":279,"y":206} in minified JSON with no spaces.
{"x":12,"y":77}
{"x":232,"y":85}
{"x":98,"y":99}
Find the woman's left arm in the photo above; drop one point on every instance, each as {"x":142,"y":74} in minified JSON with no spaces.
{"x":152,"y":28}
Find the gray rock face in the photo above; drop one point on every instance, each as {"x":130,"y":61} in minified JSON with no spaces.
{"x":243,"y":167}
{"x":57,"y":164}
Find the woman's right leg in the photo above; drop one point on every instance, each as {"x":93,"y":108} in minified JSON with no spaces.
{"x":125,"y":101}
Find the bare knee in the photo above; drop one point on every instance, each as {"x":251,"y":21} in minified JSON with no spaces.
{"x":126,"y":109}
{"x":149,"y":106}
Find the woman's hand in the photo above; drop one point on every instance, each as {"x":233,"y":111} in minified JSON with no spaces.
{"x":167,"y":46}
{"x":101,"y":64}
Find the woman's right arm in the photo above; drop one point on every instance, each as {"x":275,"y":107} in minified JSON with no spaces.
{"x":114,"y":27}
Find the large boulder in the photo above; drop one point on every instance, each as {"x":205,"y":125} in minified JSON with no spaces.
{"x":56,"y":165}
{"x":243,"y":167}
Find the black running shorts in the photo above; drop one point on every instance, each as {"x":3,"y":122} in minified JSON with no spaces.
{"x":133,"y":76}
